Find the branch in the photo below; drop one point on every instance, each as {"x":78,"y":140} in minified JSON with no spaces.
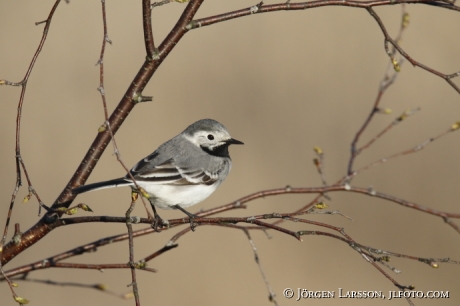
{"x":87,"y":248}
{"x":127,"y":103}
{"x":447,"y":77}
{"x":19,"y":161}
{"x":287,"y":6}
{"x":152,"y":52}
{"x":364,"y":251}
{"x":99,"y":287}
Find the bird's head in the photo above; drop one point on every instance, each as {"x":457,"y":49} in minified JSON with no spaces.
{"x":211,"y":136}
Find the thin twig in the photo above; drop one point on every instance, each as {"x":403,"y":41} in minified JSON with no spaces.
{"x":131,"y":262}
{"x":101,"y":90}
{"x":388,"y":80}
{"x":447,"y":77}
{"x":287,"y":6}
{"x":271,"y":293}
{"x":86,"y":248}
{"x":415,"y":149}
{"x":121,"y":112}
{"x":395,"y":122}
{"x":99,"y":287}
{"x":19,"y":161}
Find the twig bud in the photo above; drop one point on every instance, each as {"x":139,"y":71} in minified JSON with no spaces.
{"x":318,"y":150}
{"x":405,"y":20}
{"x":21,"y":300}
{"x":396,"y":66}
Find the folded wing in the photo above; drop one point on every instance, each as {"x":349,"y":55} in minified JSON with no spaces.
{"x":169,"y":173}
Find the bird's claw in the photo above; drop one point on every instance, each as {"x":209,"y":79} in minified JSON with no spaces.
{"x":193,"y":225}
{"x":158,"y":222}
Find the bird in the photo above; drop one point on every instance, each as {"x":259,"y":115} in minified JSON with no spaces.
{"x":181,"y":172}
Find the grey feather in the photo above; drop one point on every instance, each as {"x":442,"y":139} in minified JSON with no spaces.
{"x":196,"y":157}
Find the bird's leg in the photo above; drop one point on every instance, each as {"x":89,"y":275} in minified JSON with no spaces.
{"x":190,"y":215}
{"x":134,"y":197}
{"x":157,"y":219}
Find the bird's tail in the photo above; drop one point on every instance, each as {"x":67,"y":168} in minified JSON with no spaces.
{"x":101,"y":185}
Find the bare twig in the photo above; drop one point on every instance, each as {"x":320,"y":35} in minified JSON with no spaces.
{"x":101,"y":89}
{"x":388,"y":80}
{"x":99,"y":287}
{"x":368,"y":5}
{"x":271,"y":293}
{"x":87,"y":248}
{"x":447,"y":77}
{"x":154,"y":58}
{"x":365,"y":251}
{"x":19,"y":161}
{"x":127,"y":103}
{"x":131,"y":262}
{"x":395,"y":122}
{"x":415,"y":149}
{"x":159,"y":3}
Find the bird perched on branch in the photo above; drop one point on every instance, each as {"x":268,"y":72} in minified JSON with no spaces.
{"x":182,"y":172}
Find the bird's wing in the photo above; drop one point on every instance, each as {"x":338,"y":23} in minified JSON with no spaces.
{"x":169,"y":173}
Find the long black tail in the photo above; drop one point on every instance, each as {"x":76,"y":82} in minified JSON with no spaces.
{"x":101,"y":185}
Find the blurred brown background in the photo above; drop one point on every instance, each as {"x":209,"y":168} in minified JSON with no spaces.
{"x":281,"y":82}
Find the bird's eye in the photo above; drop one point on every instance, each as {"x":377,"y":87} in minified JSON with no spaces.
{"x":210,"y":137}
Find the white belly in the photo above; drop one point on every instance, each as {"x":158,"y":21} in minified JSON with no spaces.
{"x":186,"y":195}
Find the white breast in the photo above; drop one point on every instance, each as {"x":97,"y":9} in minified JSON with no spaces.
{"x":186,"y":195}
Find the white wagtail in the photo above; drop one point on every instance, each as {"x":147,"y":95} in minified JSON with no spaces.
{"x":183,"y":171}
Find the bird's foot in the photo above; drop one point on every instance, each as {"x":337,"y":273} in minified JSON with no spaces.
{"x":158,"y":222}
{"x":192,"y":222}
{"x":191,"y":216}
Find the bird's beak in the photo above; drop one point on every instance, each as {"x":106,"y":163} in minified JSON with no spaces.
{"x":233,"y":141}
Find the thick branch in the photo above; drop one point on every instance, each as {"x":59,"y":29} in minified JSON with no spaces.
{"x":148,"y":33}
{"x":289,"y":6}
{"x":48,"y":222}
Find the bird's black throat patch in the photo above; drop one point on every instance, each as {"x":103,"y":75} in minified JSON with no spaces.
{"x":220,"y":151}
